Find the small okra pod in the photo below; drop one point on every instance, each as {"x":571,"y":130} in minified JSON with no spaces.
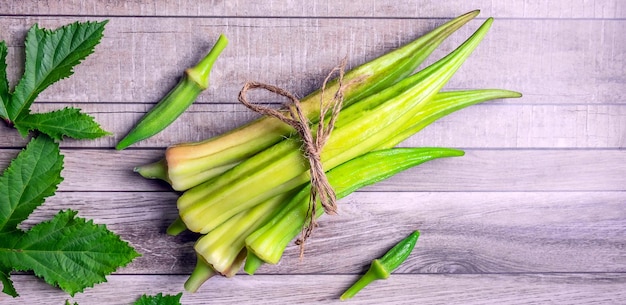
{"x":195,"y":80}
{"x":382,"y":267}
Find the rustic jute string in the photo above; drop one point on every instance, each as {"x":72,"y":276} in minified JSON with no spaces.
{"x":320,"y":187}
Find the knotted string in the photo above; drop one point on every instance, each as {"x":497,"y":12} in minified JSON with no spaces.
{"x":320,"y":187}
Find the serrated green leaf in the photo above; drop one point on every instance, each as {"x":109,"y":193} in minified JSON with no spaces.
{"x":4,"y":81}
{"x":70,"y":252}
{"x":69,"y":122}
{"x":159,"y":299}
{"x":31,"y":177}
{"x":50,"y":56}
{"x":7,"y":284}
{"x":8,"y":240}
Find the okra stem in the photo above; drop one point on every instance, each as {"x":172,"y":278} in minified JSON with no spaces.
{"x":177,"y":227}
{"x":381,"y":268}
{"x":373,"y":273}
{"x":156,"y":170}
{"x":195,"y":80}
{"x":253,"y":263}
{"x":200,"y":274}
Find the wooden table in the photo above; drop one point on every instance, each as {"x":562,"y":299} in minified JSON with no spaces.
{"x":535,"y":213}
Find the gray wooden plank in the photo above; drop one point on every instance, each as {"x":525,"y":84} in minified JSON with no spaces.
{"x":595,"y":288}
{"x":478,"y":170}
{"x":534,"y":213}
{"x":493,"y":125}
{"x":342,"y":8}
{"x":477,"y":232}
{"x":576,"y":61}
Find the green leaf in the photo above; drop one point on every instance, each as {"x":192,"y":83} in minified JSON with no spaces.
{"x":4,"y":82}
{"x":67,"y":251}
{"x":50,"y":56}
{"x":69,"y":122}
{"x":31,"y":177}
{"x":7,"y":284}
{"x":70,"y":252}
{"x":159,"y":299}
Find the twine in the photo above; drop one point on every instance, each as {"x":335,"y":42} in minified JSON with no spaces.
{"x":320,"y":187}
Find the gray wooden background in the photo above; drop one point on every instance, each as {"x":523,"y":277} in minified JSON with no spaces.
{"x":535,"y":213}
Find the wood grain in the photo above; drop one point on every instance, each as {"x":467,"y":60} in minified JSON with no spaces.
{"x":478,"y":170}
{"x":594,"y":288}
{"x":476,"y":232}
{"x":131,"y":65}
{"x":608,"y":9}
{"x":535,"y":213}
{"x":493,"y":125}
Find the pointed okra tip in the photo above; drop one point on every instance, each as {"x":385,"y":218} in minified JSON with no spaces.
{"x":473,"y":13}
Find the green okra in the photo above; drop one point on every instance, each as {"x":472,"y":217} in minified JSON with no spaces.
{"x":195,"y":80}
{"x":443,"y":104}
{"x":280,"y":168}
{"x":269,"y":242}
{"x":381,"y":268}
{"x":220,"y":247}
{"x":189,"y":164}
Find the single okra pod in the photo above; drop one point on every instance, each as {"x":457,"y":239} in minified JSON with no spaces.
{"x":382,"y":267}
{"x":195,"y":80}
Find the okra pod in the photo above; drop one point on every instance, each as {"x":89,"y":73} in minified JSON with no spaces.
{"x":269,"y":242}
{"x":195,"y":80}
{"x":220,"y":247}
{"x":381,"y":268}
{"x":445,"y":103}
{"x":188,"y":159}
{"x":281,"y":168}
{"x":441,"y":105}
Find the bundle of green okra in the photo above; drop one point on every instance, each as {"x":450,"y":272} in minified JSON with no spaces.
{"x":247,"y":191}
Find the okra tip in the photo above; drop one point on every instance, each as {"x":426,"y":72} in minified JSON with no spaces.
{"x":416,"y":234}
{"x":473,"y":13}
